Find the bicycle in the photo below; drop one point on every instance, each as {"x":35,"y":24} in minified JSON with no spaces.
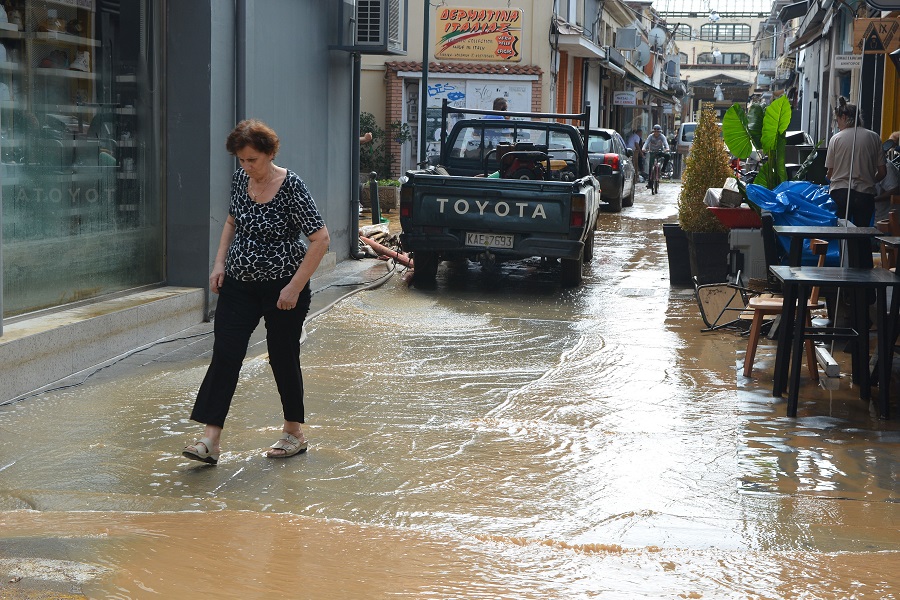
{"x":655,"y":173}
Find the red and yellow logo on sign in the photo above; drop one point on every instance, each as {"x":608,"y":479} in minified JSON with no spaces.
{"x":478,"y":34}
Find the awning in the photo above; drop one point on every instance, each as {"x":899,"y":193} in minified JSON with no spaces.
{"x":654,"y":91}
{"x":792,"y":11}
{"x":812,"y":24}
{"x":807,"y":39}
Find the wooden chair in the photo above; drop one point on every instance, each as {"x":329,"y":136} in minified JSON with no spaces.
{"x":763,"y":307}
{"x":889,"y":255}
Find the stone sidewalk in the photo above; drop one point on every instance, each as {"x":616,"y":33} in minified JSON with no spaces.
{"x":190,"y":341}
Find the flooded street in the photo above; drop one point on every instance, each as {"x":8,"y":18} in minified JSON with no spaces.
{"x":496,"y":437}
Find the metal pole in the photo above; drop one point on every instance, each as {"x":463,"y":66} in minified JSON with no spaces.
{"x":423,"y":92}
{"x":240,"y":61}
{"x":373,"y":196}
{"x":356,"y":63}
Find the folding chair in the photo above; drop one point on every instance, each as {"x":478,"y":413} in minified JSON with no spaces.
{"x":720,"y":301}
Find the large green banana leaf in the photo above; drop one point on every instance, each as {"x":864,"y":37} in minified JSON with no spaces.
{"x":736,"y":131}
{"x":775,"y":122}
{"x":755,"y":124}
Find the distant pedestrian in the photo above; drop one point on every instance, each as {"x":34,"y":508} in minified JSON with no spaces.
{"x":493,"y":136}
{"x":501,"y":105}
{"x":636,"y":142}
{"x":262,"y":270}
{"x":854,"y":162}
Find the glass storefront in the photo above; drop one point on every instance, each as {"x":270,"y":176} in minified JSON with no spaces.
{"x":80,"y":176}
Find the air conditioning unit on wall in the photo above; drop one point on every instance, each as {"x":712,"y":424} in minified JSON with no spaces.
{"x":373,"y":26}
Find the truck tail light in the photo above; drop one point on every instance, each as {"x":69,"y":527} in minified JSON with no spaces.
{"x":406,"y":201}
{"x":576,"y":217}
{"x":612,"y":160}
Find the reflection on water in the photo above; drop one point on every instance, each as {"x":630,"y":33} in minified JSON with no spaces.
{"x":478,"y":441}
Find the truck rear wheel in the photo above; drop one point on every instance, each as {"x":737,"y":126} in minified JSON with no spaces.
{"x":589,"y":248}
{"x":570,"y":272}
{"x":425,"y":266}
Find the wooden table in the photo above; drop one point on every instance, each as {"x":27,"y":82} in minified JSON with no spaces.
{"x":797,"y":283}
{"x":859,"y":241}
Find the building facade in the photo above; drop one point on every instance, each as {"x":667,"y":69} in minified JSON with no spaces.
{"x":824,"y":50}
{"x":716,"y":49}
{"x":114,"y":114}
{"x":541,"y":57}
{"x":114,"y":178}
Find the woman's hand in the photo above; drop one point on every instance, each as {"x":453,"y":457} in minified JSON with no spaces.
{"x":216,"y":278}
{"x":287,"y":299}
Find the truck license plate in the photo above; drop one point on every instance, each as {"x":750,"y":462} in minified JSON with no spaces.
{"x":489,"y":240}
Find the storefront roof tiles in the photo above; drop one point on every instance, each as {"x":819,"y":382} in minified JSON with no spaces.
{"x":465,"y":68}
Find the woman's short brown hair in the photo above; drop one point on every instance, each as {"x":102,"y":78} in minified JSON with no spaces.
{"x":253,"y":133}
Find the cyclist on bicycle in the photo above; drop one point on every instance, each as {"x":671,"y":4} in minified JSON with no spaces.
{"x":657,"y":145}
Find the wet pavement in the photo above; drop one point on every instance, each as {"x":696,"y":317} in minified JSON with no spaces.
{"x":497,"y":437}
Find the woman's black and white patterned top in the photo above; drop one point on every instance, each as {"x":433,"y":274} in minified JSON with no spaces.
{"x":267,"y":242}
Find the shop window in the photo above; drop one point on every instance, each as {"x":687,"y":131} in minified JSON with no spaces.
{"x":79,"y":168}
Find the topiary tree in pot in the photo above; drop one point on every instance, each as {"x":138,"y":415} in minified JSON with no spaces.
{"x":706,"y":167}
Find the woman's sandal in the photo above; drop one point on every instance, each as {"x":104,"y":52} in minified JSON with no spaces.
{"x":194,"y":451}
{"x":290,"y":444}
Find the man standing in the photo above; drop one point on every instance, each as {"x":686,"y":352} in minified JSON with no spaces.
{"x":855,"y":162}
{"x":635,"y":142}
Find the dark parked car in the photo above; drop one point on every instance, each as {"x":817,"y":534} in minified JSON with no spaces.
{"x":611,"y":164}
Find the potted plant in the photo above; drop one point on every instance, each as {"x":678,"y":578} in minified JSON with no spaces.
{"x":388,"y":194}
{"x":761,"y":130}
{"x":706,"y":167}
{"x":376,"y":155}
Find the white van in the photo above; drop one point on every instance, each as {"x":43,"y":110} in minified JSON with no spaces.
{"x":685,"y":139}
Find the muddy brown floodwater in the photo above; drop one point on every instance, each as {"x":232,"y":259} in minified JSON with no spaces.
{"x":494,"y":438}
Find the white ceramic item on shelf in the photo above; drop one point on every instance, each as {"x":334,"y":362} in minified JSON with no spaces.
{"x":82,"y":62}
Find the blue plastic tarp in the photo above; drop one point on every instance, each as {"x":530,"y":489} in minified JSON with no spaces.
{"x":799,"y":203}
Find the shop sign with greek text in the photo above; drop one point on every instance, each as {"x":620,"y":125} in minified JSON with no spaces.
{"x":479,"y":34}
{"x":848,"y":61}
{"x":624,"y":99}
